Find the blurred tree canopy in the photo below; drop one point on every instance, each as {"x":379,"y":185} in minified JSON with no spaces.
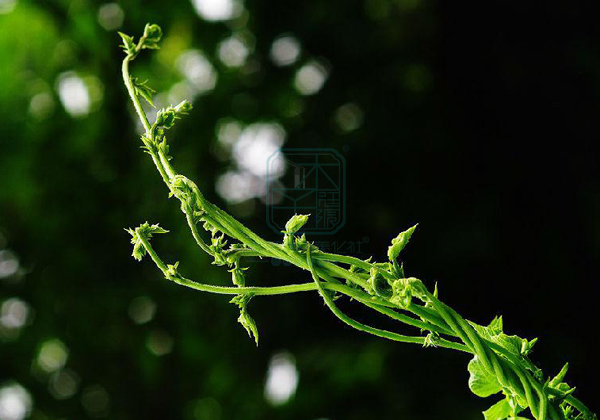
{"x":477,"y":121}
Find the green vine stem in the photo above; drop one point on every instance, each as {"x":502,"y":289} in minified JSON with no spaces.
{"x":500,"y":363}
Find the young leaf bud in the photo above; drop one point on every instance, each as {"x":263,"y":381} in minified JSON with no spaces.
{"x":399,"y":242}
{"x":166,"y":118}
{"x":379,"y":284}
{"x":152,"y":33}
{"x":295,"y":223}
{"x":237,"y":276}
{"x":172,"y":270}
{"x":128,"y":45}
{"x":245,"y":319}
{"x":183,"y":108}
{"x":144,"y":231}
{"x":402,"y":293}
{"x":431,"y":340}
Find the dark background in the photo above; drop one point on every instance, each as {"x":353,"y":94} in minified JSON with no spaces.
{"x":479,"y":123}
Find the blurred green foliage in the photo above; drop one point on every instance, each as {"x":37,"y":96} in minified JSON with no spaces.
{"x":468,"y":110}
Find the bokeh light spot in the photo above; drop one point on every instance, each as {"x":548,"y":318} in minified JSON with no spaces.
{"x":237,"y":187}
{"x":63,"y":384}
{"x":9,"y":264}
{"x":282,"y":379}
{"x":199,"y":72}
{"x":15,"y":402}
{"x":41,"y":105}
{"x":285,"y":50}
{"x":159,"y":343}
{"x":233,"y":51}
{"x":52,"y":356}
{"x":7,"y":6}
{"x":110,"y":16}
{"x":228,"y":132}
{"x":74,"y":94}
{"x":310,"y":78}
{"x":142,"y":310}
{"x":254,"y":146}
{"x":251,"y":148}
{"x":348,"y":117}
{"x":217,"y":10}
{"x":14,"y":313}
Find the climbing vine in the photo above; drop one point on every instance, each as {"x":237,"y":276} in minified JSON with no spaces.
{"x":500,"y":363}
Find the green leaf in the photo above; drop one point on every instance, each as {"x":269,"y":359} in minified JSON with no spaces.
{"x":431,"y":340}
{"x":166,"y":117}
{"x":482,"y":383}
{"x":143,"y":90}
{"x":128,"y":45}
{"x":496,"y":326}
{"x":520,"y":347}
{"x":557,"y":383}
{"x":528,"y":346}
{"x":554,"y":382}
{"x":493,"y":329}
{"x":399,"y":242}
{"x":245,"y":319}
{"x":145,"y":231}
{"x":183,"y":108}
{"x":405,"y":289}
{"x":249,"y":324}
{"x":512,"y":343}
{"x":498,"y":411}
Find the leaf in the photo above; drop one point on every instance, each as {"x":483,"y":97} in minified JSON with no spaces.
{"x":145,"y":231}
{"x":493,"y":329}
{"x":245,"y":319}
{"x":554,"y":382}
{"x":249,"y":324}
{"x":399,"y":242}
{"x":512,"y":343}
{"x":142,"y":89}
{"x":528,"y":346}
{"x":503,"y":409}
{"x":166,"y":117}
{"x":183,"y":108}
{"x":128,"y":45}
{"x":498,"y":411}
{"x":482,"y":383}
{"x":431,"y":340}
{"x":172,"y":270}
{"x":557,"y":383}
{"x":496,"y":326}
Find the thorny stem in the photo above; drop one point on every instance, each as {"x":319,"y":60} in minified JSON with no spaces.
{"x":516,"y":376}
